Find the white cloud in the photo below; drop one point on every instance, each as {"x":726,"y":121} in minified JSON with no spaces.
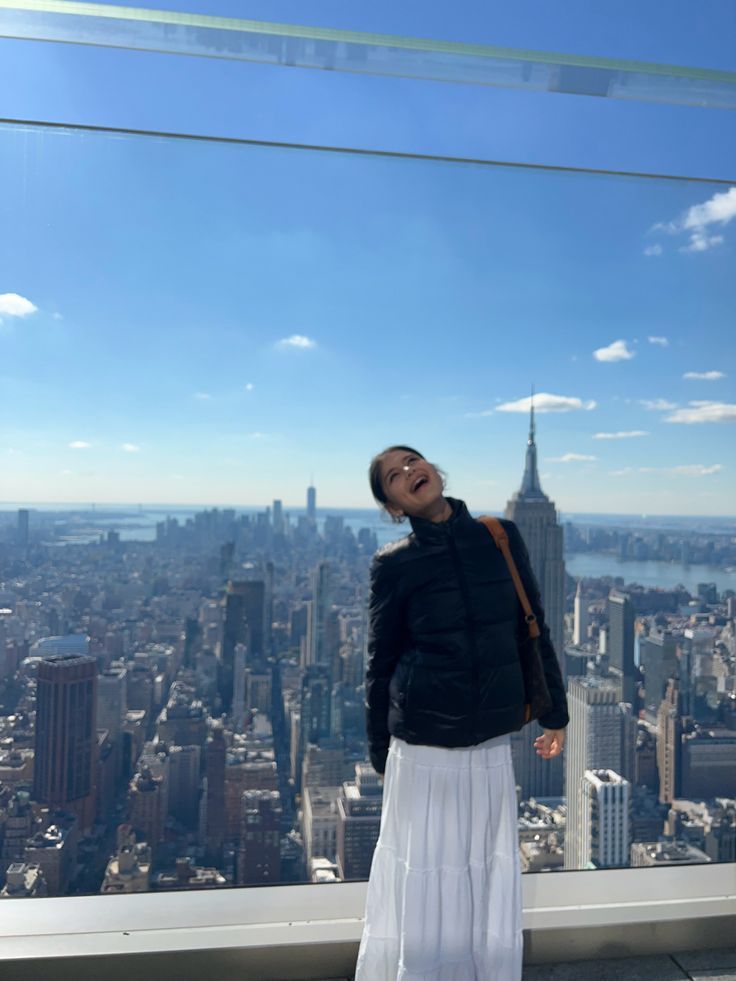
{"x":622,"y":472}
{"x":79,"y":444}
{"x":697,"y":469}
{"x":202,"y":396}
{"x":704,"y":412}
{"x":621,"y":434}
{"x":130,"y":448}
{"x":686,"y":469}
{"x":616,"y":351}
{"x":661,"y":341}
{"x":298,"y":341}
{"x":543,"y":402}
{"x":720,"y":209}
{"x":15,"y":305}
{"x":249,"y":387}
{"x":709,"y":376}
{"x":658,"y":405}
{"x":571,"y":458}
{"x":700,"y":242}
{"x":258,"y":435}
{"x":655,"y":249}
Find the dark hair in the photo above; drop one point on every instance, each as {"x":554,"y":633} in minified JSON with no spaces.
{"x":374,"y":477}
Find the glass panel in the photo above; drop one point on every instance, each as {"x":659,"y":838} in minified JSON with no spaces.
{"x":192,"y":329}
{"x":352,"y":51}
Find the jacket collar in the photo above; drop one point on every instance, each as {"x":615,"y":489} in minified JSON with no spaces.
{"x":437,"y":531}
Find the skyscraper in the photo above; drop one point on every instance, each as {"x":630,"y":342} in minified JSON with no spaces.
{"x":317,"y":646}
{"x":621,"y":641}
{"x":259,"y":853}
{"x":66,"y":736}
{"x":607,"y":819}
{"x":22,"y":530}
{"x":238,"y":712}
{"x":359,"y":807}
{"x":311,"y":504}
{"x":669,"y":743}
{"x":245,"y":612}
{"x":580,"y":609}
{"x":601,"y":736}
{"x":215,"y":759}
{"x":111,"y":699}
{"x":658,"y":654}
{"x":536,"y":518}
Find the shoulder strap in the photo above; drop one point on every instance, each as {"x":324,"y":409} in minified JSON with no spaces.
{"x":501,"y":539}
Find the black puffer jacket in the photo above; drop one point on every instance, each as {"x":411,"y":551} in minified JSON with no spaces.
{"x":443,"y":666}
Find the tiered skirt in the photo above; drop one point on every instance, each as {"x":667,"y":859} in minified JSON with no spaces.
{"x":444,"y":895}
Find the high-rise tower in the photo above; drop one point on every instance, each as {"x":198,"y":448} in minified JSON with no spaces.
{"x":601,"y":736}
{"x":580,"y":609}
{"x":243,"y":623}
{"x":317,"y":616}
{"x":621,"y":626}
{"x":536,"y":518}
{"x":66,"y":737}
{"x":312,"y":503}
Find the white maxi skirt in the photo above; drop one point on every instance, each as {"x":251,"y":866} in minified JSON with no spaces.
{"x":444,"y":894}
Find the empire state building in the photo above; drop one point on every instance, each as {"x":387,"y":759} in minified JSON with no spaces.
{"x":536,"y":518}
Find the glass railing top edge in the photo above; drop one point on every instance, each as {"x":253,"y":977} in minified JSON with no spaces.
{"x":204,"y":35}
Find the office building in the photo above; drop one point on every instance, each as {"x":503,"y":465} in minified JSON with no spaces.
{"x":669,"y":743}
{"x":708,"y":764}
{"x":606,"y":819}
{"x":184,"y":785}
{"x":319,"y":822}
{"x":359,"y":807}
{"x":621,"y":623}
{"x":66,"y":735}
{"x":317,"y":616}
{"x":580,"y":617}
{"x":215,"y":818}
{"x":243,"y":623}
{"x":601,"y":736}
{"x":22,"y":528}
{"x":112,"y":700}
{"x":658,"y":658}
{"x":259,"y":853}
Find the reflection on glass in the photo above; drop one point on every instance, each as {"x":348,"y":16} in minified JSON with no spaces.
{"x":108,"y":25}
{"x":191,"y":330}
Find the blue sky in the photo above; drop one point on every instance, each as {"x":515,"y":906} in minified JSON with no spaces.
{"x":210,"y":323}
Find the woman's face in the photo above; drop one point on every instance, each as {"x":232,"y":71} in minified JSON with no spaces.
{"x":411,"y":483}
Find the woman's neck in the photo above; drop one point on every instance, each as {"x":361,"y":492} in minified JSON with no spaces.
{"x":438,"y":511}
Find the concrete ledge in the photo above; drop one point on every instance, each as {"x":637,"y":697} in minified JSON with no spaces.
{"x":313,"y":931}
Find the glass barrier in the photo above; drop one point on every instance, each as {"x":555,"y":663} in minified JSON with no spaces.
{"x":202,"y":345}
{"x":109,"y":25}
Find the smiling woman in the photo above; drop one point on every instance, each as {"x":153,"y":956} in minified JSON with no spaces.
{"x":444,"y":692}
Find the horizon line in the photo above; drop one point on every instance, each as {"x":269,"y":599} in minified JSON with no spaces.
{"x":10,"y":506}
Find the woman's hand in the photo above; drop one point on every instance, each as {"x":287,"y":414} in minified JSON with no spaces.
{"x":550,"y":743}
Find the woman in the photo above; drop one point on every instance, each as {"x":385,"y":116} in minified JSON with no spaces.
{"x":443,"y":691}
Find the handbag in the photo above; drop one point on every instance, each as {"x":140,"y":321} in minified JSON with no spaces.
{"x":537,"y":699}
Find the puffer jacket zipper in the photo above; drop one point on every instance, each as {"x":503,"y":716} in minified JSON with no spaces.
{"x":470,"y":628}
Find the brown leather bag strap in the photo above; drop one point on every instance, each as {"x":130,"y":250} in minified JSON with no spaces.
{"x":502,"y":541}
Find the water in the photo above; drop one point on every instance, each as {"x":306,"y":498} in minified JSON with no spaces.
{"x":662,"y":574}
